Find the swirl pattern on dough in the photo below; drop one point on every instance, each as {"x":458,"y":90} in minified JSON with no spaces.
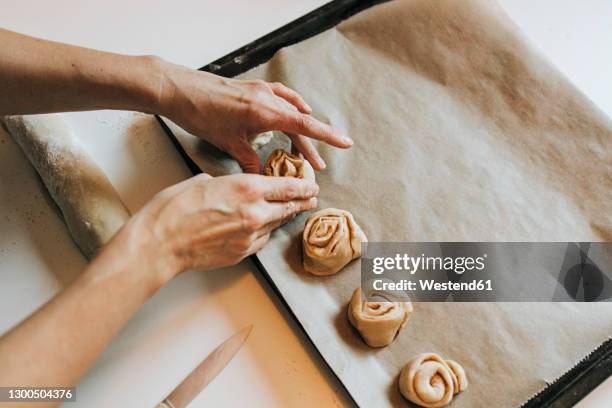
{"x":331,"y":240}
{"x":460,"y":380}
{"x":430,"y":381}
{"x":281,"y":163}
{"x":378,"y":322}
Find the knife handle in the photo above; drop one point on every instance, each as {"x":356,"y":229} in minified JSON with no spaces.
{"x":164,"y":404}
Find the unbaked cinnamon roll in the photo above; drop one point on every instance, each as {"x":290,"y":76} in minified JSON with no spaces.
{"x":430,"y":381}
{"x":284,"y":164}
{"x":378,"y":321}
{"x":331,"y":240}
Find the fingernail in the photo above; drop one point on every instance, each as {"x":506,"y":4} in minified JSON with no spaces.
{"x":347,"y":140}
{"x":313,"y":202}
{"x":320,"y":163}
{"x":308,"y":108}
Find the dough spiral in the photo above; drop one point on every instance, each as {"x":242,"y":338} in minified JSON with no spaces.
{"x":282,"y":163}
{"x":378,"y":322}
{"x":331,"y":240}
{"x":430,"y":381}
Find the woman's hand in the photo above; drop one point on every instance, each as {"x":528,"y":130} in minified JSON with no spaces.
{"x":225,"y":112}
{"x":210,"y":222}
{"x":201,"y":222}
{"x":38,"y":76}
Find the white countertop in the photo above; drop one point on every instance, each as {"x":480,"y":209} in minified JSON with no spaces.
{"x":194,"y":313}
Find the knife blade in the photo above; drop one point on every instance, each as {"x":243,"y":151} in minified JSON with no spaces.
{"x":206,"y":371}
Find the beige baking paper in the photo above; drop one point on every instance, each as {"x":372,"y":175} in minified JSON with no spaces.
{"x":463,"y":133}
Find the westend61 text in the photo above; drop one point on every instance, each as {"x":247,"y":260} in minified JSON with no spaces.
{"x":432,"y":285}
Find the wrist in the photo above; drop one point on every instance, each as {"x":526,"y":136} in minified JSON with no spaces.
{"x":147,"y":252}
{"x":152,"y":84}
{"x":173,"y":88}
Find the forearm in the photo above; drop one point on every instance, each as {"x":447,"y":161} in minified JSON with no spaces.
{"x":202,"y":222}
{"x":38,"y":76}
{"x":57,"y":344}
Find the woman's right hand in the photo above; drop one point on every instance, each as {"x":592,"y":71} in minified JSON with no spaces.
{"x":210,"y":222}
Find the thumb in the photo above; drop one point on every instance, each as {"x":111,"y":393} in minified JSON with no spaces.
{"x":245,"y":156}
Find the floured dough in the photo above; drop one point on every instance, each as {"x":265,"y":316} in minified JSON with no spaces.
{"x":91,"y":207}
{"x":331,"y":240}
{"x":430,"y":381}
{"x":260,"y":140}
{"x":378,"y":322}
{"x":282,"y":163}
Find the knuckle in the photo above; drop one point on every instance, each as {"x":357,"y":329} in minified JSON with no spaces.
{"x":305,"y":121}
{"x":250,"y":193}
{"x":259,"y":96}
{"x":260,"y":84}
{"x":201,"y":178}
{"x":290,"y":208}
{"x":251,"y":220}
{"x":246,"y":188}
{"x":252,"y":94}
{"x":256,"y":109}
{"x":292,"y":191}
{"x":257,"y":90}
{"x":243,"y":185}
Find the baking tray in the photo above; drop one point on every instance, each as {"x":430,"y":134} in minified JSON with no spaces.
{"x":568,"y":389}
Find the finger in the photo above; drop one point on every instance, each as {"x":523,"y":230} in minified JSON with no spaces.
{"x":271,"y":226}
{"x":302,"y":124}
{"x":245,"y":156}
{"x":305,"y":146}
{"x":258,"y":244}
{"x":291,"y":96}
{"x":283,"y":211}
{"x":288,"y":188}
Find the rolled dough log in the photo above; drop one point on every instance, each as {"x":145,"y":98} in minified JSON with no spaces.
{"x":430,"y":381}
{"x":91,"y":207}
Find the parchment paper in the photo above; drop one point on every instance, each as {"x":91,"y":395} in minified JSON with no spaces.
{"x":463,"y":133}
